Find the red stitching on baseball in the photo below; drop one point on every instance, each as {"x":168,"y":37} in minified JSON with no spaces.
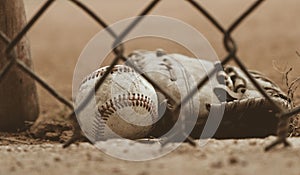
{"x":112,"y":105}
{"x":101,"y":72}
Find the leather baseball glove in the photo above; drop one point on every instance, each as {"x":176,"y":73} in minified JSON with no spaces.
{"x":227,"y":106}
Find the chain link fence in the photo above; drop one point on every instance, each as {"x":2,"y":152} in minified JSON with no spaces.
{"x":118,"y":49}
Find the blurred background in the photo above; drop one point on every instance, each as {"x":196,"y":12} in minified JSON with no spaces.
{"x":270,"y":34}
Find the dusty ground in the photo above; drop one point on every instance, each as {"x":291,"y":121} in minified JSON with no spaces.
{"x":271,"y":33}
{"x":218,"y":157}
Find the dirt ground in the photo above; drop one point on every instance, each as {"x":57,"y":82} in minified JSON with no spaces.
{"x":218,"y":157}
{"x":271,"y":33}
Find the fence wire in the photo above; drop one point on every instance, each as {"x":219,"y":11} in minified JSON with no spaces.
{"x":118,"y":49}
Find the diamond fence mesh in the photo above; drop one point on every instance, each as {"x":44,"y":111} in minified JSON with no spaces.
{"x":118,"y":49}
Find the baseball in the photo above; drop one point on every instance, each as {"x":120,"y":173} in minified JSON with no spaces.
{"x":124,"y":106}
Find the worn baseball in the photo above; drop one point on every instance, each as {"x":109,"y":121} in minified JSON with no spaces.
{"x":124,"y":106}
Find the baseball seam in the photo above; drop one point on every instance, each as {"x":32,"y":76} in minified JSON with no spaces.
{"x":101,"y":72}
{"x":113,"y":105}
